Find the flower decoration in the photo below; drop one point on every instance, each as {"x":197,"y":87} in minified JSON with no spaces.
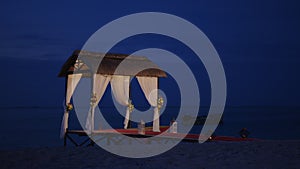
{"x":130,"y":106}
{"x":160,"y":102}
{"x":93,"y":99}
{"x":69,"y":107}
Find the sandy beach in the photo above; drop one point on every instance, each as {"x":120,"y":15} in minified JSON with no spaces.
{"x":210,"y":155}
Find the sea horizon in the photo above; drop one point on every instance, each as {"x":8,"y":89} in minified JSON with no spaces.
{"x":39,"y":126}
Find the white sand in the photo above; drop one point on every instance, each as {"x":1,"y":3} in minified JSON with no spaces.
{"x":212,"y":155}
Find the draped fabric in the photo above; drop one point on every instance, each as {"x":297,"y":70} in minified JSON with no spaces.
{"x":156,"y":120}
{"x":72,"y":81}
{"x":149,"y":86}
{"x":120,"y":89}
{"x":99,"y":86}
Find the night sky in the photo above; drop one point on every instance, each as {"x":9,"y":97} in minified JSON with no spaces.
{"x":257,"y":40}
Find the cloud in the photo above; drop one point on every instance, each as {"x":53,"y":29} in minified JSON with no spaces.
{"x":35,"y":46}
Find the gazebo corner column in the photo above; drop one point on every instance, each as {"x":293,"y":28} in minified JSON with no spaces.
{"x":149,"y":86}
{"x":120,"y":90}
{"x":156,"y":120}
{"x":98,"y":86}
{"x":93,"y":104}
{"x":129,"y":108}
{"x":159,"y":105}
{"x":71,"y":82}
{"x":64,"y":125}
{"x":127,"y":118}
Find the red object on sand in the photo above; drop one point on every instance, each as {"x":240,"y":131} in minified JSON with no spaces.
{"x":133,"y":132}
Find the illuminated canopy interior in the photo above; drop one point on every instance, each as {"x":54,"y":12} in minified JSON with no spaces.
{"x":116,"y":69}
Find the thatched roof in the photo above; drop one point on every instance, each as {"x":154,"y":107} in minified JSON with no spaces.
{"x":85,"y":62}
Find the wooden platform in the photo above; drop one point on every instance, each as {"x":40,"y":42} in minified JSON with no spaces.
{"x":115,"y":136}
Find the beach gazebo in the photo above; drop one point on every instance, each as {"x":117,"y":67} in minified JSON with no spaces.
{"x":113,"y":69}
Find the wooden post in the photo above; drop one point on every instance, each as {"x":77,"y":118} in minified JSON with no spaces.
{"x":65,"y":138}
{"x":129,"y":121}
{"x":92,"y":105}
{"x":66,"y":88}
{"x":157,"y":101}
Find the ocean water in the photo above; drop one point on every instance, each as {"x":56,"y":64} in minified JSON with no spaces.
{"x":40,"y":126}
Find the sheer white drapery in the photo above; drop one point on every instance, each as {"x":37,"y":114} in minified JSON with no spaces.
{"x":72,"y":81}
{"x":120,"y":89}
{"x":149,"y":86}
{"x":99,"y":85}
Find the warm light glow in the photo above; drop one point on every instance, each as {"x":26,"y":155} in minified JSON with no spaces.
{"x":69,"y":107}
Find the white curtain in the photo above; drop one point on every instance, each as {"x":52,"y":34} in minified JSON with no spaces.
{"x":120,"y":89}
{"x":149,"y":86}
{"x":99,"y":85}
{"x":72,"y":81}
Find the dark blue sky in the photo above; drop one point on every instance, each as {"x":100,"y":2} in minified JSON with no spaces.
{"x":258,"y":42}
